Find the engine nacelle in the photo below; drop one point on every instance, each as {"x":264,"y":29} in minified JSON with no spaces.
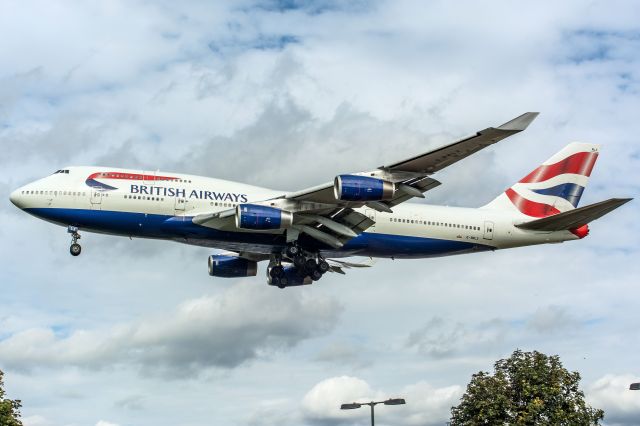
{"x":231,"y":266}
{"x":290,"y":278}
{"x":253,"y":216}
{"x":362,"y":188}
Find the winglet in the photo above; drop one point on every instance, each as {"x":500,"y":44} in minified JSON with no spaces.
{"x":520,"y":123}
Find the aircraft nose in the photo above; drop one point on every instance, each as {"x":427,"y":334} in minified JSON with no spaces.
{"x":16,"y":197}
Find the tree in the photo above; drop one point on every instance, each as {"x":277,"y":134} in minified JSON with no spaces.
{"x":528,"y":388}
{"x":9,"y":408}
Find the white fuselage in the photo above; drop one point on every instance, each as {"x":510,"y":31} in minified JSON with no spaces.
{"x":160,"y":205}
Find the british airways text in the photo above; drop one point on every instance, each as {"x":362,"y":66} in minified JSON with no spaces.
{"x":181,"y":192}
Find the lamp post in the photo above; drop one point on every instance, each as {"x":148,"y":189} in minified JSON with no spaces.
{"x":355,"y":405}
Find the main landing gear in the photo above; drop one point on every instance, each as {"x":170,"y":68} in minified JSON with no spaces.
{"x":75,"y":248}
{"x":307,"y":267}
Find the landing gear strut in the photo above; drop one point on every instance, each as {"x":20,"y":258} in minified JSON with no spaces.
{"x":75,"y":248}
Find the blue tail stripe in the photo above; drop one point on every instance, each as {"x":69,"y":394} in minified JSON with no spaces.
{"x":569,"y":191}
{"x":99,"y":185}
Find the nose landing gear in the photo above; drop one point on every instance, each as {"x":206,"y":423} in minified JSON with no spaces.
{"x":75,"y":248}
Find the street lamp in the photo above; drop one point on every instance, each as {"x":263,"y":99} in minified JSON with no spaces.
{"x":355,"y":405}
{"x":634,"y":386}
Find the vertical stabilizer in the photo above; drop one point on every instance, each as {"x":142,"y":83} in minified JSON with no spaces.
{"x":555,"y":186}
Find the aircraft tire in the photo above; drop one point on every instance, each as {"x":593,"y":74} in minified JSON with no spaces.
{"x":299,"y":261}
{"x":277,"y":272}
{"x":323,"y":266}
{"x":310,"y":265}
{"x":283,"y":283}
{"x":75,"y":249}
{"x":293,"y":251}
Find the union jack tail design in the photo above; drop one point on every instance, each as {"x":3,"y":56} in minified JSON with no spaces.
{"x":554,"y":187}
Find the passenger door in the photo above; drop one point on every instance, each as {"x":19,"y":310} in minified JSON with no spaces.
{"x":488,"y":230}
{"x":180,"y":205}
{"x":96,"y":200}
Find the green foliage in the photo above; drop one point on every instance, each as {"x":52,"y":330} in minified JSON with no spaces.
{"x":528,"y":388}
{"x":9,"y":409}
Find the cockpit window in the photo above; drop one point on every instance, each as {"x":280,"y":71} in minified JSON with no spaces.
{"x":61,"y":171}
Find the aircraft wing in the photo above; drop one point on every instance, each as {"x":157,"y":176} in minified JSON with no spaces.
{"x":438,"y":159}
{"x":411,"y":175}
{"x":332,"y":219}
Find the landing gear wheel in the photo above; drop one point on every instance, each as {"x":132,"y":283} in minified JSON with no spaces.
{"x":299,"y":261}
{"x":323,"y":266}
{"x":75,"y":249}
{"x":292,"y":251}
{"x":283,"y":282}
{"x":315,"y":275}
{"x":277,"y":272}
{"x":310,"y":265}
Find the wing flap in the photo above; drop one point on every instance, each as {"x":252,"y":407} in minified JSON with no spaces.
{"x":334,"y":229}
{"x":574,"y":218}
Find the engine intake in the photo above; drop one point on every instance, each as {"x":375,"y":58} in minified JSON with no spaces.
{"x":253,"y":216}
{"x":231,"y":266}
{"x":362,"y":188}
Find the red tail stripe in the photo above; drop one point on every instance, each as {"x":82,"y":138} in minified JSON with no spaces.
{"x":580,"y":163}
{"x":530,"y":208}
{"x":129,"y":176}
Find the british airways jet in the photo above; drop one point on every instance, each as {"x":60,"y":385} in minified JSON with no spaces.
{"x":306,"y":233}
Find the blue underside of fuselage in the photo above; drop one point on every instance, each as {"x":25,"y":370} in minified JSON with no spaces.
{"x":182,"y":229}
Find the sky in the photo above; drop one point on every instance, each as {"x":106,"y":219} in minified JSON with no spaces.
{"x":287,"y":94}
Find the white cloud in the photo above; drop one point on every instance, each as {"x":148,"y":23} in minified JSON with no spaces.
{"x":611,"y":393}
{"x":323,"y":401}
{"x":36,"y":420}
{"x":226,"y":331}
{"x":287,"y":95}
{"x":429,"y":405}
{"x":425,"y":404}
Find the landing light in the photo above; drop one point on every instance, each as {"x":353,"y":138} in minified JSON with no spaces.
{"x":350,"y":406}
{"x":394,"y":401}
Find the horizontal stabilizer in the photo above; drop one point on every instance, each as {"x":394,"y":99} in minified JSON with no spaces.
{"x":574,"y":218}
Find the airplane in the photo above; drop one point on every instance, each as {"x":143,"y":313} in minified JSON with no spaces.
{"x":306,"y":233}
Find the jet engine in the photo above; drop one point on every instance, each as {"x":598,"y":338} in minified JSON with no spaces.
{"x":362,"y":188}
{"x":231,"y":266}
{"x":253,"y":216}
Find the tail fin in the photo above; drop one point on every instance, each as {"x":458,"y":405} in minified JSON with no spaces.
{"x":554,"y":187}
